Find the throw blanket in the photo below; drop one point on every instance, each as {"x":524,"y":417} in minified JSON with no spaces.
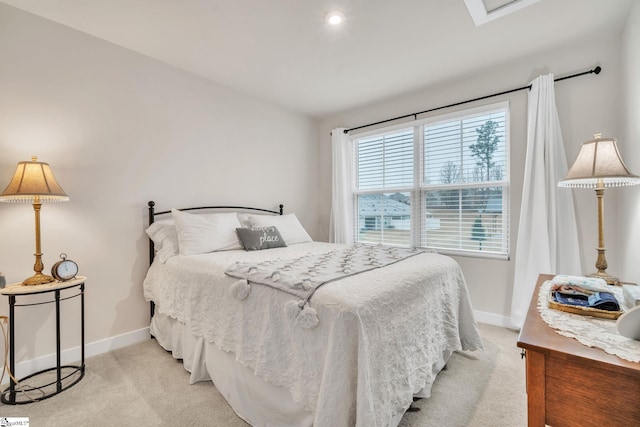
{"x":302,"y":276}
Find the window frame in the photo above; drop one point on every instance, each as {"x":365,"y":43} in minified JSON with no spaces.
{"x":418,"y":221}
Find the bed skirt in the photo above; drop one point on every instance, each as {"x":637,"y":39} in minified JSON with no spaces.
{"x":256,"y":401}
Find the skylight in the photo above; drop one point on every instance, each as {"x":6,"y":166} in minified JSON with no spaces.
{"x":483,"y":11}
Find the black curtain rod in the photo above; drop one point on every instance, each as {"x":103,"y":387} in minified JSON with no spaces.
{"x":596,"y":70}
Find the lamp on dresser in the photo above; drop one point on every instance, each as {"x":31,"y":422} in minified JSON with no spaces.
{"x":599,"y":165}
{"x":33,"y":182}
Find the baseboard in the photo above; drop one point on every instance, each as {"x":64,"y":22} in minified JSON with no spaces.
{"x":73,"y":355}
{"x":493,"y":319}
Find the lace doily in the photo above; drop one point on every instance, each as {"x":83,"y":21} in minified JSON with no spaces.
{"x":589,"y":331}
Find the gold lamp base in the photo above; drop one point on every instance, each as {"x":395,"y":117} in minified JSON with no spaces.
{"x":37,"y":279}
{"x":601,"y":263}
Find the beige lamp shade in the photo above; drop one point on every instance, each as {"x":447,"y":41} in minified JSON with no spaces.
{"x":33,"y":181}
{"x":599,"y":160}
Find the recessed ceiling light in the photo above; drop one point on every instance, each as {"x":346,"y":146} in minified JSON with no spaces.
{"x":335,"y":18}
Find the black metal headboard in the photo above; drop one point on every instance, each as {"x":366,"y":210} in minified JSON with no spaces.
{"x":153,"y":214}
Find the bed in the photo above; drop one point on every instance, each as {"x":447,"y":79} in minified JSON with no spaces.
{"x":381,"y":334}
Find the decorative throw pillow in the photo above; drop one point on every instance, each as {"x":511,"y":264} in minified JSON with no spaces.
{"x":199,"y":234}
{"x":288,"y":225}
{"x":257,"y":239}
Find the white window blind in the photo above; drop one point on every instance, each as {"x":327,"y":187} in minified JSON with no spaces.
{"x":386,"y":161}
{"x":454,"y":198}
{"x":385,"y":179}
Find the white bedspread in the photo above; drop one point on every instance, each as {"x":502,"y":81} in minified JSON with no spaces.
{"x":381,"y":331}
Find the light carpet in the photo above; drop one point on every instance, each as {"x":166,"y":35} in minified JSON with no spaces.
{"x":143,"y":385}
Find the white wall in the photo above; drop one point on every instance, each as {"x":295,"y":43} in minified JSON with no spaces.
{"x":629,"y":145}
{"x":586,"y":105}
{"x":120,"y":129}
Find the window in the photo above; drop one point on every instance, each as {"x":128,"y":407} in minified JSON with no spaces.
{"x":440,"y":183}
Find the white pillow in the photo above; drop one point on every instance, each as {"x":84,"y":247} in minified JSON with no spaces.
{"x":165,"y":239}
{"x":244,"y":219}
{"x":288,"y":225}
{"x":199,"y":234}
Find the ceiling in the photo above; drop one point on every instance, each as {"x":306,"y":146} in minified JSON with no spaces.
{"x":282,"y":51}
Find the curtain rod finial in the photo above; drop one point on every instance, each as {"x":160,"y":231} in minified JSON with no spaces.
{"x":597,"y":69}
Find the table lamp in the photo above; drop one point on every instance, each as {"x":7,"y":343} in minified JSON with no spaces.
{"x":33,"y":182}
{"x":599,"y":166}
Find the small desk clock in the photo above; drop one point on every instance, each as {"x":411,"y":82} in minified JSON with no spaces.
{"x":65,"y":269}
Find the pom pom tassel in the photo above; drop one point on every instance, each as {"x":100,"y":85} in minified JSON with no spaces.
{"x":240,"y":289}
{"x":308,"y":317}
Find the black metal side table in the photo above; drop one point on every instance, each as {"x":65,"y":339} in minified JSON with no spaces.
{"x":13,"y":291}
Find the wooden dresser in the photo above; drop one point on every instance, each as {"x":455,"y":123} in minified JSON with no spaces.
{"x":572,"y":385}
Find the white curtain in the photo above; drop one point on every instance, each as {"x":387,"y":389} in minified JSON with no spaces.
{"x":341,"y":225}
{"x":547,"y":233}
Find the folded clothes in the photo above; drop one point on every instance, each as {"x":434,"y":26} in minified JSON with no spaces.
{"x":600,"y":300}
{"x":593,"y":284}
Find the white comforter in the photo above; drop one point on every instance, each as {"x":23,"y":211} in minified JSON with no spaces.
{"x":382,"y":330}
